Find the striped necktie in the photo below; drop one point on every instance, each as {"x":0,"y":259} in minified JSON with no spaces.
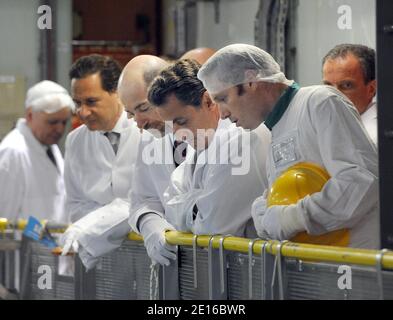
{"x":114,"y":139}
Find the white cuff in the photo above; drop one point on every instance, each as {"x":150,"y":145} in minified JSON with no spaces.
{"x":147,"y":217}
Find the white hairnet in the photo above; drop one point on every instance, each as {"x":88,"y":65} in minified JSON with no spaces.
{"x":49,"y":97}
{"x":237,"y":64}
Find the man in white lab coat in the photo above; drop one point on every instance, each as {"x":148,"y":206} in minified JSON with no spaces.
{"x":314,"y":124}
{"x":211,"y":192}
{"x":99,"y":162}
{"x":350,"y":68}
{"x":31,"y":165}
{"x":151,"y":177}
{"x":157,"y":157}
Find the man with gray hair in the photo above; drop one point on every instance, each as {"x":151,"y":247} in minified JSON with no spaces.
{"x":350,"y":68}
{"x":314,"y":124}
{"x":31,"y":165}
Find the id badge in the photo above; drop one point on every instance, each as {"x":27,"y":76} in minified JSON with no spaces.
{"x":285,"y":152}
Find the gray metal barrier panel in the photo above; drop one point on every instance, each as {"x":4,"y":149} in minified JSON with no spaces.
{"x":121,"y":275}
{"x":186,"y":274}
{"x":306,"y":281}
{"x":298,"y":279}
{"x":238,"y":277}
{"x":311,"y":280}
{"x":126,"y":274}
{"x":8,"y":251}
{"x":34,"y":255}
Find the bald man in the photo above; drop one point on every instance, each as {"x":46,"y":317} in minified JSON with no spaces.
{"x":200,"y":55}
{"x":158,"y":156}
{"x":132,"y":88}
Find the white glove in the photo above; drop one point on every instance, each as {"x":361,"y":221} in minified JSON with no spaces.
{"x":258,"y":210}
{"x":276,"y":222}
{"x":153,"y":229}
{"x":69,"y":239}
{"x":87,"y":259}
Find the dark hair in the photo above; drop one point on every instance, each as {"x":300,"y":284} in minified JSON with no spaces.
{"x":365,"y":55}
{"x":108,"y":68}
{"x":179,"y":79}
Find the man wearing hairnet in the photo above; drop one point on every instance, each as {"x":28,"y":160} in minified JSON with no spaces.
{"x":31,"y":165}
{"x":99,"y":161}
{"x":313,"y":124}
{"x":210,"y":192}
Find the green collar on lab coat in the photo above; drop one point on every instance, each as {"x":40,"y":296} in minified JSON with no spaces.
{"x":281,"y":106}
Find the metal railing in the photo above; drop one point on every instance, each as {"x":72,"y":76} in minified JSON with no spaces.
{"x":207,"y":267}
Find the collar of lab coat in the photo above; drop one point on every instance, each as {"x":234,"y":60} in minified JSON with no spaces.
{"x":222,"y":127}
{"x":281,"y":106}
{"x":171,"y":138}
{"x":22,"y":126}
{"x":371,"y":112}
{"x":122,"y":124}
{"x":195,"y":161}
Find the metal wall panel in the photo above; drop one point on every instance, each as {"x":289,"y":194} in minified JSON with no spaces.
{"x":385,"y":117}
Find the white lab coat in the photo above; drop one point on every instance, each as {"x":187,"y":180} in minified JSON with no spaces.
{"x":223,"y":196}
{"x":30,"y":183}
{"x":370,"y":121}
{"x":98,"y":183}
{"x":322,"y":126}
{"x":153,"y":170}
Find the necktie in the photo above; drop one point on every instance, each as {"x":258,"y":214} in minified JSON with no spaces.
{"x":114,"y":139}
{"x":179,"y":152}
{"x":179,"y":155}
{"x":51,"y":156}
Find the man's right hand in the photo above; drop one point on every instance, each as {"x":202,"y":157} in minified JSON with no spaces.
{"x":69,"y":240}
{"x":152,"y":228}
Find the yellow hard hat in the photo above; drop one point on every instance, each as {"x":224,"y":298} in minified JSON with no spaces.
{"x":294,"y":184}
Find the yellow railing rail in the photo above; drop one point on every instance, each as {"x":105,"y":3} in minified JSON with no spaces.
{"x":134,"y":237}
{"x":315,"y":253}
{"x":289,"y":249}
{"x":21,"y":224}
